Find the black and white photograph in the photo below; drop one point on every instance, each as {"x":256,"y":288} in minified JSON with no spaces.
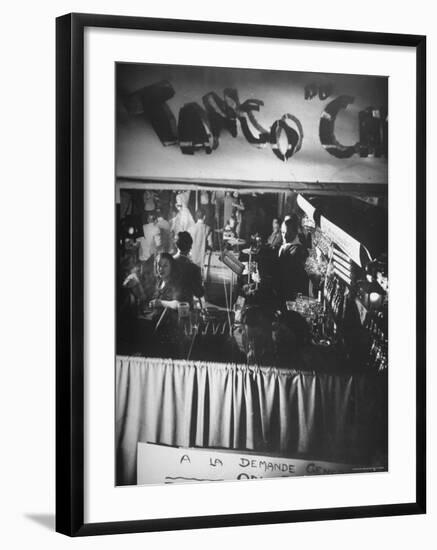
{"x":217,"y":296}
{"x":252,"y":293}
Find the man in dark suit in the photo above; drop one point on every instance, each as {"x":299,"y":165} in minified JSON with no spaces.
{"x":291,"y":278}
{"x":189,"y":274}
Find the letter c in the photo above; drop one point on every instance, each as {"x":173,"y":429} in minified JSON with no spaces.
{"x":327,"y":128}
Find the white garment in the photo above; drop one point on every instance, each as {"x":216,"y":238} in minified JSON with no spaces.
{"x":201,"y":234}
{"x":183,"y":198}
{"x":204,"y":197}
{"x":183,"y":221}
{"x":148,"y":243}
{"x":149,"y":201}
{"x":227,"y":208}
{"x":164,"y":227}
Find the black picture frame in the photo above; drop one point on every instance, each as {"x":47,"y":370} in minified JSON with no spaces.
{"x":70,"y":273}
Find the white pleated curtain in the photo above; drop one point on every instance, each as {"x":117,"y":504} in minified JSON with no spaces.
{"x":230,"y":406}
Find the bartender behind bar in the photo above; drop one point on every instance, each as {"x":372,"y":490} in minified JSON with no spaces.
{"x":292,"y":277}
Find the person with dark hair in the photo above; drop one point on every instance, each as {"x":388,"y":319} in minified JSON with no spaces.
{"x":165,"y":302}
{"x":275,"y":239}
{"x":167,"y":291}
{"x":291,"y":277}
{"x":184,"y":242}
{"x":190,"y":276}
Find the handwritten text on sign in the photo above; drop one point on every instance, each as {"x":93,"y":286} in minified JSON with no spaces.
{"x":200,"y":127}
{"x":162,"y":464}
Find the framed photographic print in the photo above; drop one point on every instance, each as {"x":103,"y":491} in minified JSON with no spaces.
{"x":240,"y":274}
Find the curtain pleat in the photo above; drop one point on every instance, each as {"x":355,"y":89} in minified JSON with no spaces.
{"x":187,"y":403}
{"x":266,"y":385}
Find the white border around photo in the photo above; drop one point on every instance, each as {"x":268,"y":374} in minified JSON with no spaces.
{"x":105,"y":502}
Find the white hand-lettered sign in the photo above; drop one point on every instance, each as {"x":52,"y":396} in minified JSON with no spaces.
{"x":161,"y":464}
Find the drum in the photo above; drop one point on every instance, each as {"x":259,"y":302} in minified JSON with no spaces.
{"x":215,"y":270}
{"x":220,"y":282}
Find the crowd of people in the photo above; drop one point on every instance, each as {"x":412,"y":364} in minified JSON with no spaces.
{"x":169,"y":274}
